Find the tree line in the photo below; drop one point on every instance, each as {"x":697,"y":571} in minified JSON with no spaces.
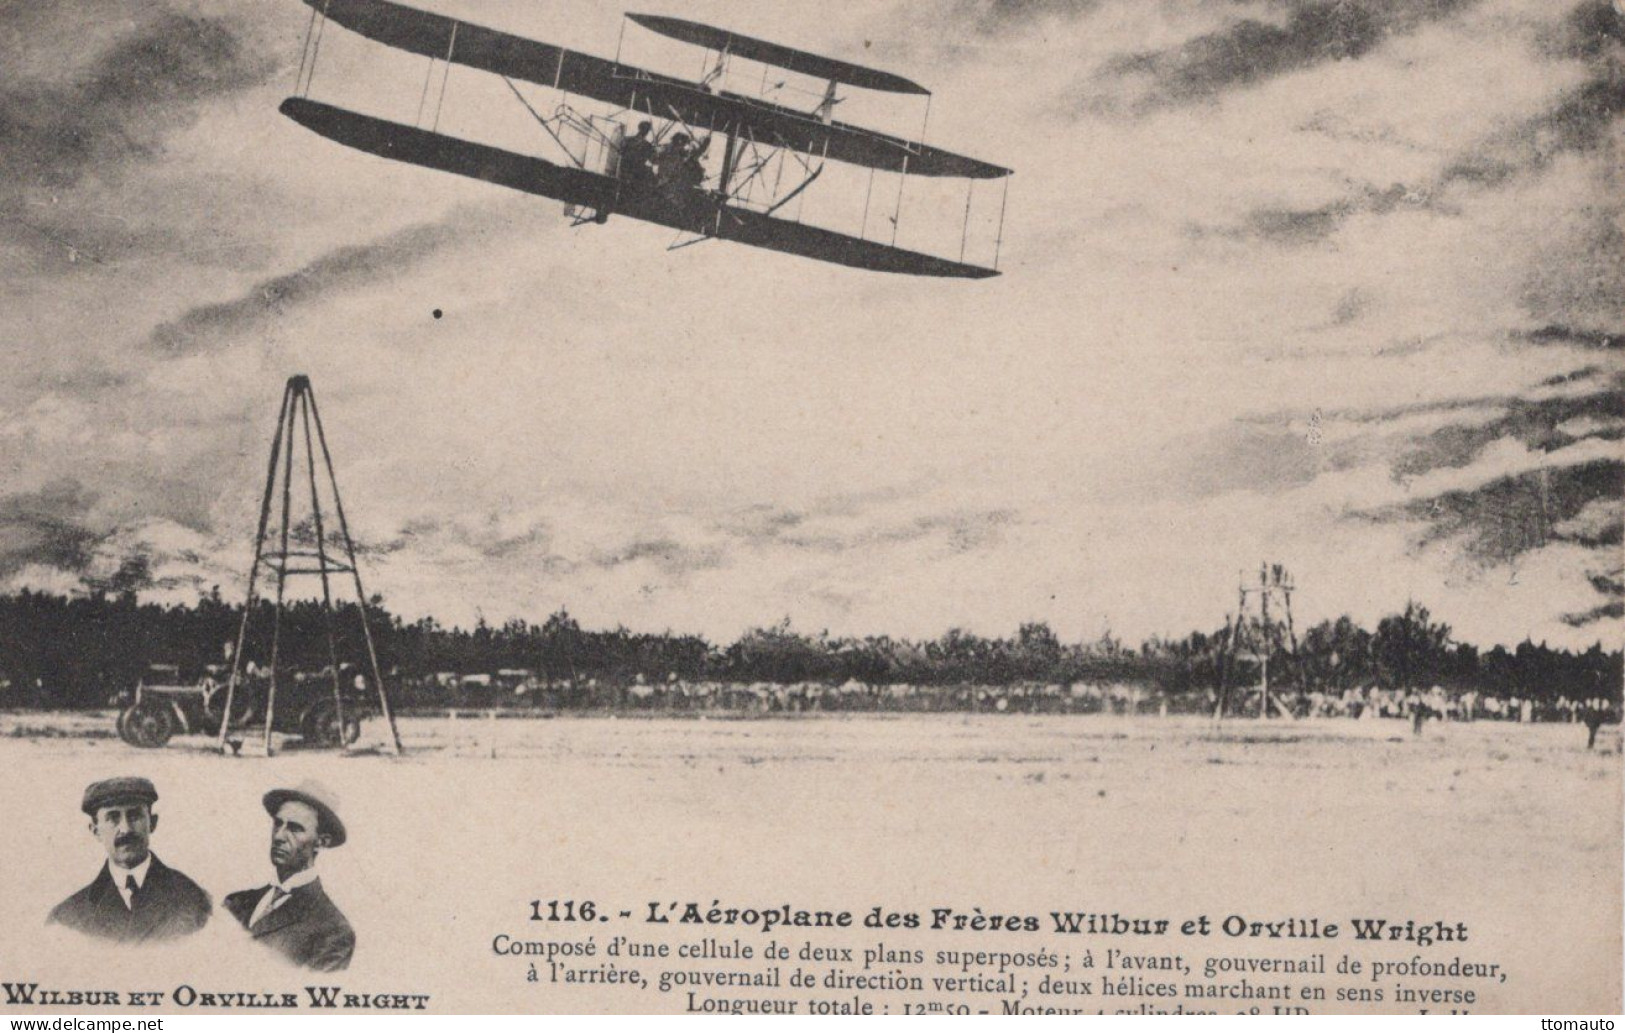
{"x":83,"y":650}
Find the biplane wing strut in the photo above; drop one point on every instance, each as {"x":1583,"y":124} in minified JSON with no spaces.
{"x":589,"y":189}
{"x":791,"y":196}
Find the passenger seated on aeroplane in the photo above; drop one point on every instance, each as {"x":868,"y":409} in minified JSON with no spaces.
{"x":638,"y":155}
{"x":671,"y":158}
{"x":691,"y":171}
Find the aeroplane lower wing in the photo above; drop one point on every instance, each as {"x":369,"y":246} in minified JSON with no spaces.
{"x":591,"y":190}
{"x":442,"y":38}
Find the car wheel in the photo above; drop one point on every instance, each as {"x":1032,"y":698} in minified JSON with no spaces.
{"x":150,"y":725}
{"x":123,"y":725}
{"x":321,"y":725}
{"x":242,"y":706}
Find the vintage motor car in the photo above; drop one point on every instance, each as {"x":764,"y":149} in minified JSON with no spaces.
{"x":163,"y":705}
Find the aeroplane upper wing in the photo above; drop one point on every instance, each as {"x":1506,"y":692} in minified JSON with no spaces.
{"x":798,"y":61}
{"x":436,"y":36}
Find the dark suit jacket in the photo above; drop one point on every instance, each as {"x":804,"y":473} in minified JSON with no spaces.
{"x":167,"y":906}
{"x":308,"y":929}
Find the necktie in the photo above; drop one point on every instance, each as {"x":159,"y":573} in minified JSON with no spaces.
{"x":131,"y":889}
{"x":278,"y":895}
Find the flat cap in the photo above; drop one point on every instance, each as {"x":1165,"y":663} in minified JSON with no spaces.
{"x":127,"y":789}
{"x":319,"y":799}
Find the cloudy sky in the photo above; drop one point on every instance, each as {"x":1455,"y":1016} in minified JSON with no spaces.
{"x":1332,"y":283}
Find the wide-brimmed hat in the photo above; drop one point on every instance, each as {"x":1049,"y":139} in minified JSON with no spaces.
{"x":125,"y":789}
{"x":318,"y":799}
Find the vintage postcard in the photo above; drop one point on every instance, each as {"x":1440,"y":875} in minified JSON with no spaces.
{"x":899,"y":507}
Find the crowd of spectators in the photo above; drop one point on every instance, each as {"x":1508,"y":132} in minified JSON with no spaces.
{"x":524,"y":688}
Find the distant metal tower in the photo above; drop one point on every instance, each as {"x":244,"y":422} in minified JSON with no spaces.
{"x":1255,"y":635}
{"x":299,"y":411}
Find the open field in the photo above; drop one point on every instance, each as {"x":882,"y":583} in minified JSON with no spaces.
{"x":1512,"y":829}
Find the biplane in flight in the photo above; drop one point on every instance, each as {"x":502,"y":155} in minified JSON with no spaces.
{"x":659,"y":179}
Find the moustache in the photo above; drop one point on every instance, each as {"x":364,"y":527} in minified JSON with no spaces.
{"x":128,"y":839}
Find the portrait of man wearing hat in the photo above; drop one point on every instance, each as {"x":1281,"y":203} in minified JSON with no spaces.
{"x":293,"y":915}
{"x":136,"y":898}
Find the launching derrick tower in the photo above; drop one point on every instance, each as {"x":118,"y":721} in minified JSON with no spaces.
{"x":285,"y":550}
{"x":1262,"y":630}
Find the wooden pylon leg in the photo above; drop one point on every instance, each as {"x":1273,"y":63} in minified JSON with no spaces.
{"x":355,"y":572}
{"x":321,"y":566}
{"x":281,"y":580}
{"x":254,"y":571}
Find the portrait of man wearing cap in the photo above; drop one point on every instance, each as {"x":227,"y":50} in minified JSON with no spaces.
{"x":293,"y":915}
{"x":136,"y":898}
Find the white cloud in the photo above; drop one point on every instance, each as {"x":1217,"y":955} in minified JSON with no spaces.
{"x":586,"y":396}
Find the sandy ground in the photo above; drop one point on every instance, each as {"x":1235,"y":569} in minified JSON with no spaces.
{"x":1514,"y":830}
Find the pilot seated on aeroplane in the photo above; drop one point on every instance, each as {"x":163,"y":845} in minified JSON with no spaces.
{"x":637,"y":162}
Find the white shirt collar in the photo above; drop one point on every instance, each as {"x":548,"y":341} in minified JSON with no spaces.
{"x":297,"y":879}
{"x":122,"y":875}
{"x":139,"y":871}
{"x":279,"y":891}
